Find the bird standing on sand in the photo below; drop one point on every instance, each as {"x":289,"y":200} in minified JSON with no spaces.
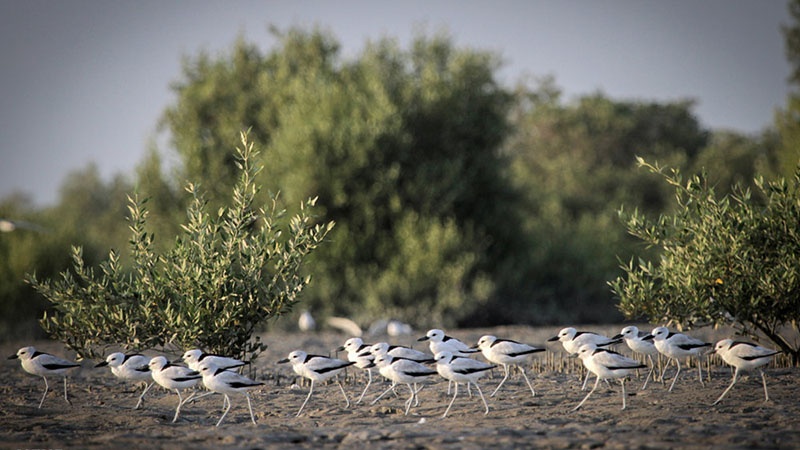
{"x":459,"y":369}
{"x":744,"y":356}
{"x":508,"y":353}
{"x":131,"y":367}
{"x":316,"y":368}
{"x":44,"y":365}
{"x":676,"y":346}
{"x":606,"y":364}
{"x":222,"y":381}
{"x":174,"y":378}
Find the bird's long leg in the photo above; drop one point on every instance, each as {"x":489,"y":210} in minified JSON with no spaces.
{"x":178,"y":409}
{"x":410,"y":399}
{"x":764,"y":381}
{"x":505,"y":377}
{"x":141,"y":397}
{"x":65,"y":392}
{"x":343,"y":393}
{"x":677,"y":363}
{"x":586,"y":380}
{"x":205,"y":394}
{"x":622,"y":381}
{"x":416,"y":391}
{"x":225,"y":413}
{"x":522,"y":369}
{"x":451,"y":401}
{"x":46,"y":388}
{"x":596,"y":383}
{"x":700,"y":371}
{"x":650,"y":374}
{"x":250,"y":407}
{"x":369,"y":381}
{"x":486,"y":405}
{"x":735,"y":374}
{"x":306,"y":401}
{"x":384,"y":393}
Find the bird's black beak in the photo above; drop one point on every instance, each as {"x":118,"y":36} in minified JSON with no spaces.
{"x":619,"y":336}
{"x":340,"y":349}
{"x":553,"y":339}
{"x":423,"y":338}
{"x":370,"y":365}
{"x":283,"y":361}
{"x":649,"y":337}
{"x":101,"y":364}
{"x":14,"y":356}
{"x":177,"y":361}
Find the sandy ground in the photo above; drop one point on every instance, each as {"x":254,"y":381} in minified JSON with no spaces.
{"x":101,"y":415}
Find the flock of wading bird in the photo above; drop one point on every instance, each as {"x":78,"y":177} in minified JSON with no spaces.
{"x":449,"y":358}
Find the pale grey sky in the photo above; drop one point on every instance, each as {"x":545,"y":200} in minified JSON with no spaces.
{"x":85,"y":80}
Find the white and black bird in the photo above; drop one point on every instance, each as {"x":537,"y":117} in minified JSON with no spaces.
{"x":193,"y":358}
{"x":462,"y":370}
{"x":507,"y":353}
{"x":404,"y":371}
{"x":572,"y":340}
{"x":636,"y":341}
{"x":358,"y":352}
{"x":222,"y":381}
{"x":44,"y":365}
{"x":399,"y":351}
{"x":316,"y":368}
{"x":675,"y":346}
{"x":440,"y":342}
{"x":174,"y":378}
{"x":130,"y":367}
{"x":744,"y":356}
{"x":606,"y":364}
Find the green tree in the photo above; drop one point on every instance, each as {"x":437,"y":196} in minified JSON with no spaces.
{"x":229,"y":271}
{"x":575,"y":164}
{"x":729,"y":260}
{"x":788,"y":120}
{"x":392,"y":141}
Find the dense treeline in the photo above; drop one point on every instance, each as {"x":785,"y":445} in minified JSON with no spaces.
{"x":457,"y":200}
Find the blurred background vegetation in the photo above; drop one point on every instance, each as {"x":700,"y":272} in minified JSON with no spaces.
{"x":458,"y":201}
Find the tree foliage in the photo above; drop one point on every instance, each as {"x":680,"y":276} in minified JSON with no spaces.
{"x":788,"y":120}
{"x":452,"y":193}
{"x":724,"y":260}
{"x":402,"y":147}
{"x":229,"y":271}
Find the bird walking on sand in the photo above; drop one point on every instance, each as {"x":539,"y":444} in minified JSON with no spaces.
{"x":440,"y":342}
{"x":606,"y":364}
{"x":405,"y":371}
{"x":572,"y":340}
{"x":130,"y":367}
{"x":225,"y":382}
{"x":44,"y":365}
{"x":462,"y":370}
{"x":636,"y":341}
{"x":174,"y":378}
{"x":358,"y":353}
{"x":316,"y":368}
{"x":509,"y":354}
{"x":675,"y":346}
{"x":743,"y":356}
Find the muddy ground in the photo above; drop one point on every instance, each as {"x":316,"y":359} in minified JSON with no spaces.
{"x":101,"y":415}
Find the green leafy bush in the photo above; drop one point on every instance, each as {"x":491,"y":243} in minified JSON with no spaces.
{"x":731,"y":260}
{"x":227,"y":274}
